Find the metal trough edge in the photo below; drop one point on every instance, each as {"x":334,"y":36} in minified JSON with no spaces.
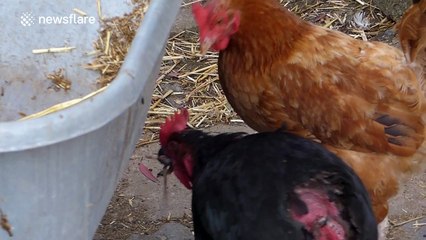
{"x":143,"y":60}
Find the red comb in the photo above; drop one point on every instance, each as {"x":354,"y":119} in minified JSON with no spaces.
{"x":200,"y":14}
{"x":173,"y":124}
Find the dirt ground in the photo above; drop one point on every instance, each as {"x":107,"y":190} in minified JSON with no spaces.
{"x":140,"y":210}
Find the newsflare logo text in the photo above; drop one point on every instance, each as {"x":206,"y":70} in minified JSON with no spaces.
{"x":29,"y":19}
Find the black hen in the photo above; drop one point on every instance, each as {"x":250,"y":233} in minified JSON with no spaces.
{"x":265,"y":186}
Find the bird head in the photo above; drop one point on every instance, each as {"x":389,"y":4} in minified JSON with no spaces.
{"x":174,"y":154}
{"x":216,"y":23}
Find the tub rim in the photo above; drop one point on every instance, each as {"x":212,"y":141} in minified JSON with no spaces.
{"x":87,"y":116}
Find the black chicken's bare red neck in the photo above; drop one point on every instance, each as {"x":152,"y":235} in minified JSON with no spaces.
{"x":322,"y":219}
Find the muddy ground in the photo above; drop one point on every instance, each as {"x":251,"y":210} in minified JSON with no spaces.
{"x":139,"y":209}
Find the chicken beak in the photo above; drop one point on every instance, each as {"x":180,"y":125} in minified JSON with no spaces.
{"x":168,"y":165}
{"x":206,"y":45}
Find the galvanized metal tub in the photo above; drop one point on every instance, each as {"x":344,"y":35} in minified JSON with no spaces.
{"x":58,"y":172}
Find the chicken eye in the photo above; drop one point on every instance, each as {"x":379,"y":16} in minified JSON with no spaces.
{"x":219,"y":21}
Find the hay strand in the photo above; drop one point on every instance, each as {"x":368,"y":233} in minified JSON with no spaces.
{"x":63,"y":105}
{"x":52,"y":50}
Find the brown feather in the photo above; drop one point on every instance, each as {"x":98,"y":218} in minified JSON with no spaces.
{"x":321,"y":71}
{"x":412,"y":30}
{"x":360,"y":98}
{"x":412,"y":35}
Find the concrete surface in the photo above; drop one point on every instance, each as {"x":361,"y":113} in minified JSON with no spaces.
{"x":393,"y":9}
{"x":169,"y":231}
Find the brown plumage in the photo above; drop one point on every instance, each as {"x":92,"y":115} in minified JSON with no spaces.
{"x":361,"y":99}
{"x":412,"y":35}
